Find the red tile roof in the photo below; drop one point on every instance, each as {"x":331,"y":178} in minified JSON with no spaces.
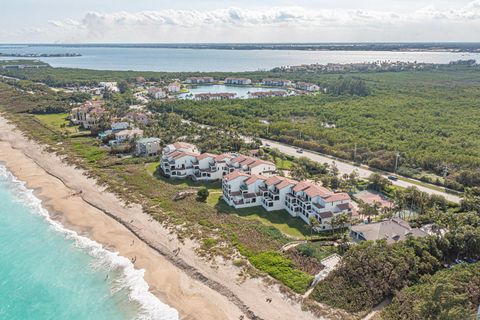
{"x":234,"y":175}
{"x":337,"y":197}
{"x":253,"y":179}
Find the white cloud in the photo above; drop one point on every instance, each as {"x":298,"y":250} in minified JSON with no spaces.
{"x":275,"y":24}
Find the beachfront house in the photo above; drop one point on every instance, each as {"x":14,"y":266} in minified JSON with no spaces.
{"x":301,"y":199}
{"x":237,"y":81}
{"x":174,"y":87}
{"x":199,"y":80}
{"x":119,"y":126}
{"x":306,"y":86}
{"x":128,"y":135}
{"x":137,"y":117}
{"x":88,"y":114}
{"x":391,"y":230}
{"x":156,"y":93}
{"x":276,"y":82}
{"x":147,"y":147}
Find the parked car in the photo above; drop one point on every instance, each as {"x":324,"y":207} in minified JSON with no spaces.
{"x":394,"y":178}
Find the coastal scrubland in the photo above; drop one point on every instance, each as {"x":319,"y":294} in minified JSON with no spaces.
{"x":431,"y":118}
{"x":428,"y":118}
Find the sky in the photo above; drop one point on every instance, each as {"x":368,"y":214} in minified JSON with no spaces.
{"x":159,"y":21}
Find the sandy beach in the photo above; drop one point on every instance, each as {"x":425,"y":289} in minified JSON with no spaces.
{"x":185,"y":281}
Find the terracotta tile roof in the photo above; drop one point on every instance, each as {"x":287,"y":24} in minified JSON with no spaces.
{"x":301,"y":186}
{"x":206,"y":155}
{"x":224,"y":156}
{"x":315,"y":191}
{"x":273,"y":180}
{"x":253,"y":179}
{"x":337,"y":197}
{"x":182,"y":154}
{"x":285,"y":183}
{"x":234,"y":175}
{"x":258,"y":162}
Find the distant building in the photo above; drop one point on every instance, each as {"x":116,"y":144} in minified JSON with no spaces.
{"x":238,"y":81}
{"x":392,"y":230}
{"x":276,"y":82}
{"x":88,"y":114}
{"x":156,"y":93}
{"x":174,"y":87}
{"x":268,"y":94}
{"x":128,"y":135}
{"x":147,"y":147}
{"x":306,"y":86}
{"x":214,"y":96}
{"x":137,"y":117}
{"x":109,"y":86}
{"x":119,"y":126}
{"x":199,"y":80}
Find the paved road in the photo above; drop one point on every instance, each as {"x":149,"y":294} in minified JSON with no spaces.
{"x":345,"y":167}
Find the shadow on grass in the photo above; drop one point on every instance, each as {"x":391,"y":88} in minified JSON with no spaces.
{"x":282,"y":220}
{"x":156,"y":171}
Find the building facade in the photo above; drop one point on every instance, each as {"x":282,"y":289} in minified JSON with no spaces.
{"x":300,"y":199}
{"x":147,"y":147}
{"x":181,"y":160}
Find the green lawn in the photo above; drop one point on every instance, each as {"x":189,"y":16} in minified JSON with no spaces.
{"x":152,"y":167}
{"x":283,"y":164}
{"x":58,"y":122}
{"x":282,"y":220}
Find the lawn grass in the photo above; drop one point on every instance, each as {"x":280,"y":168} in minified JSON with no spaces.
{"x":282,"y":220}
{"x":152,"y":167}
{"x":58,"y":122}
{"x":283,"y":164}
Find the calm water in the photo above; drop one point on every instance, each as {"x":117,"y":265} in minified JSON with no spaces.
{"x":242,"y":92}
{"x":176,"y":60}
{"x":48,"y":272}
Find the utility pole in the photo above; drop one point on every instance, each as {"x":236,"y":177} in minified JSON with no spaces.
{"x":396,"y":162}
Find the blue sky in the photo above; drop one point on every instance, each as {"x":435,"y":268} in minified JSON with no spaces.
{"x":238,"y":21}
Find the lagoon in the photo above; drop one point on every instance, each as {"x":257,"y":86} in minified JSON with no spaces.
{"x":240,"y":91}
{"x":210,"y":60}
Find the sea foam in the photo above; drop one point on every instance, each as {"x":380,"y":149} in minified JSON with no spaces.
{"x":130,"y":279}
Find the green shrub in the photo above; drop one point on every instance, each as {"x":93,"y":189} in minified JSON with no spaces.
{"x":282,"y":269}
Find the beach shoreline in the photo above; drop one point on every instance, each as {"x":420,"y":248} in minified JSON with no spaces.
{"x":183,"y":281}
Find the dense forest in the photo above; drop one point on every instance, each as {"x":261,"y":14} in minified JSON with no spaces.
{"x":430,"y":119}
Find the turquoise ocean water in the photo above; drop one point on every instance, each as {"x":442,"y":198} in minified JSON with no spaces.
{"x":49,"y":272}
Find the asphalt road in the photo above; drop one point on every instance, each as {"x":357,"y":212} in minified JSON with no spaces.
{"x":345,"y":167}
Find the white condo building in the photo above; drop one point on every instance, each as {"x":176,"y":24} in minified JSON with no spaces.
{"x":183,"y":160}
{"x":300,"y":199}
